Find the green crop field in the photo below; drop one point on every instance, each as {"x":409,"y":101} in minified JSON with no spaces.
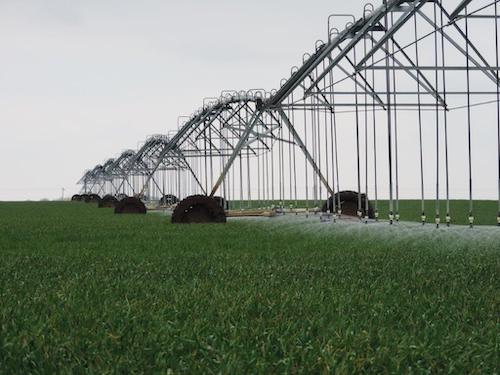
{"x":85,"y":291}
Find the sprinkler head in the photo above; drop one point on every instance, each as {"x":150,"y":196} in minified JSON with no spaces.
{"x":471,"y":221}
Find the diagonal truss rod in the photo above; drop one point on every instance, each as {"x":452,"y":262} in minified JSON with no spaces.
{"x":239,"y":146}
{"x":303,"y":147}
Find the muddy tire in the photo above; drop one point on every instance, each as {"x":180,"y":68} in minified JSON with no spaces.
{"x":130,"y":205}
{"x":349,"y":204}
{"x":198,"y":209}
{"x":108,"y":201}
{"x":92,"y":198}
{"x":222,"y":202}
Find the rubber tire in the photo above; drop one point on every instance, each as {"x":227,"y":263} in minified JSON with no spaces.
{"x":222,"y":202}
{"x":198,"y":209}
{"x":108,"y":201}
{"x":76,"y":198}
{"x":130,"y":205}
{"x":92,"y":198}
{"x":349,"y":204}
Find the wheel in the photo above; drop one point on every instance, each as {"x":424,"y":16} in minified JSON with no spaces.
{"x":130,"y":205}
{"x":348,"y":204}
{"x":222,"y":202}
{"x":76,"y":198}
{"x":108,"y":201}
{"x":198,"y":209}
{"x":92,"y":198}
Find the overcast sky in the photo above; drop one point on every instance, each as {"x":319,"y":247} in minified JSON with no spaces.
{"x":82,"y":80}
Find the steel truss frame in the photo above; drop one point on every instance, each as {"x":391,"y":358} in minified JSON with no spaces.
{"x":375,"y":66}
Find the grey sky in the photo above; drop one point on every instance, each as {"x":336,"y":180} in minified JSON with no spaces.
{"x":82,"y":80}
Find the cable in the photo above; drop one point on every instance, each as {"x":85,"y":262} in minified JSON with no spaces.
{"x":334,"y":146}
{"x":389,"y":123}
{"x":306,"y":166}
{"x":294,"y":160}
{"x":498,"y":106}
{"x":281,"y":170}
{"x":437,"y":212}
{"x":366,"y":138}
{"x":358,"y":162}
{"x":422,"y":203}
{"x":268,"y":201}
{"x":290,"y":155}
{"x":375,"y":174}
{"x":249,"y":185}
{"x":469,"y":136}
{"x":396,"y":149}
{"x":445,"y":113}
{"x":327,"y":167}
{"x":314,"y":145}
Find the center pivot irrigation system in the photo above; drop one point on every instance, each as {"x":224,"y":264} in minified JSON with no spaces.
{"x":406,"y":96}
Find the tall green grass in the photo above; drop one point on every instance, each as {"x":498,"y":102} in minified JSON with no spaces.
{"x":85,"y":291}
